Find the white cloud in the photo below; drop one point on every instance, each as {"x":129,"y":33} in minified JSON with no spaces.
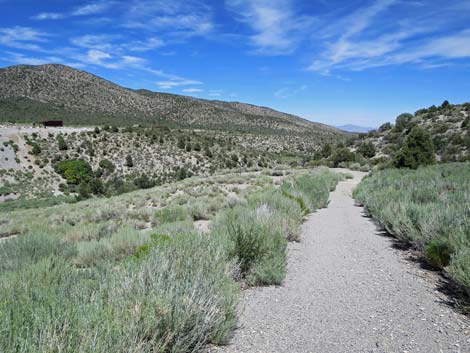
{"x":179,"y":19}
{"x":287,"y":92}
{"x":84,"y":10}
{"x":146,"y":45}
{"x":176,"y":83}
{"x":90,"y":41}
{"x":22,"y":38}
{"x":277,"y":28}
{"x":134,"y":60}
{"x":192,"y":90}
{"x":48,"y":16}
{"x":371,"y":37}
{"x":91,"y":9}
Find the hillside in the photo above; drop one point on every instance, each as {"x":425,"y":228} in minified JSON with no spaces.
{"x":448,"y":125}
{"x":35,"y":93}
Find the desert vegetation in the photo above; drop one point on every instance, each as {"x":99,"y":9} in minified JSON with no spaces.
{"x":132,"y":273}
{"x":429,"y":208}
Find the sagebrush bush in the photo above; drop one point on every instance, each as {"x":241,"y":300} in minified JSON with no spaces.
{"x":429,"y":208}
{"x":255,"y":242}
{"x":25,"y":250}
{"x":176,"y":299}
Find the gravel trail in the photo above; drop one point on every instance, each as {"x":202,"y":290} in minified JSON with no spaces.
{"x":348,"y":290}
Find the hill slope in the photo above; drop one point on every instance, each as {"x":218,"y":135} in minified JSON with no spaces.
{"x":448,"y":125}
{"x":34,"y":93}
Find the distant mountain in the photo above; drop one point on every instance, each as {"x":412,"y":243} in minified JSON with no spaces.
{"x":355,"y":128}
{"x":34,"y":93}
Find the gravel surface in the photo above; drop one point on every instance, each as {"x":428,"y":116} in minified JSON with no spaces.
{"x":348,"y":290}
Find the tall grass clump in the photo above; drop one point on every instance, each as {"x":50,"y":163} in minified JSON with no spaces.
{"x":428,"y":207}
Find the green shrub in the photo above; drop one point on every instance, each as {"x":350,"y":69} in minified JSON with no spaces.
{"x":61,"y":143}
{"x":171,"y":214}
{"x":367,"y":149}
{"x":342,"y":155}
{"x":25,"y":250}
{"x":144,"y":182}
{"x":439,"y":252}
{"x":258,"y":247}
{"x":74,"y":171}
{"x":36,"y":150}
{"x":107,"y":165}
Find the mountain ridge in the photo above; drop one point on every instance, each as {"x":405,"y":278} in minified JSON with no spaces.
{"x":33,"y":93}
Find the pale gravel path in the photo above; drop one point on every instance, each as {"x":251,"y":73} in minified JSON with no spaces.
{"x":348,"y":290}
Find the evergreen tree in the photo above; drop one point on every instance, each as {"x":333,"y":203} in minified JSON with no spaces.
{"x":367,"y":149}
{"x":417,"y":150}
{"x":61,"y":142}
{"x":326,"y":150}
{"x":129,"y":161}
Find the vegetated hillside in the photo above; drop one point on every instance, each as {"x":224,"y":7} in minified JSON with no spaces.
{"x":116,"y":160}
{"x":35,"y":93}
{"x":448,"y":125}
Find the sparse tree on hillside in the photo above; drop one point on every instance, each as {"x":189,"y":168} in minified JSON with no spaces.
{"x":445,"y":104}
{"x":36,"y":149}
{"x":385,"y":127}
{"x":367,"y":149}
{"x":326,"y":150}
{"x":403,"y":121}
{"x":129,"y":161}
{"x":61,"y":142}
{"x":417,"y":150}
{"x":342,"y":155}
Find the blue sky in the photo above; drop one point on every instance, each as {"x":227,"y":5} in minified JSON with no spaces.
{"x":337,"y":62}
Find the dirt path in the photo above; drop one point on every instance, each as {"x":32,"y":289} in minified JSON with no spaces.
{"x":348,"y":290}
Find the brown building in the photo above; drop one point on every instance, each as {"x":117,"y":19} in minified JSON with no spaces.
{"x":53,"y":123}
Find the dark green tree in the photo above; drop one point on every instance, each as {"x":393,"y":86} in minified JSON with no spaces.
{"x":36,"y":149}
{"x":417,"y":150}
{"x":445,"y":104}
{"x":129,"y":161}
{"x":61,"y":142}
{"x":326,"y":150}
{"x":403,"y":121}
{"x":181,"y":143}
{"x":367,"y":149}
{"x":342,"y":155}
{"x":385,"y":127}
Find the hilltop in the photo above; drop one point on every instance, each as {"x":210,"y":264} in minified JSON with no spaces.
{"x":34,"y":93}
